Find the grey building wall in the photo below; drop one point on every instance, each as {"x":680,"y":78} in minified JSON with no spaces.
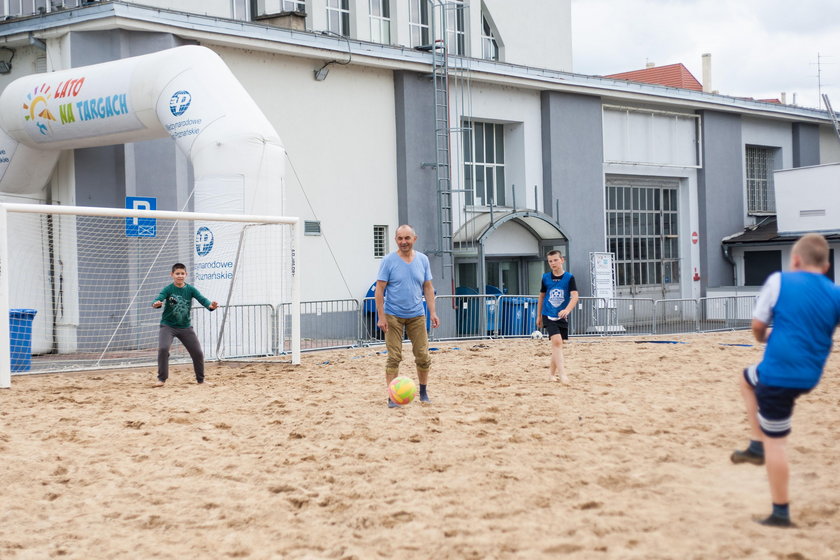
{"x":573,"y":176}
{"x":806,"y":144}
{"x":101,"y":173}
{"x":720,"y":193}
{"x":417,"y":185}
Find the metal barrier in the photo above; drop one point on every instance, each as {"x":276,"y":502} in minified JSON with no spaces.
{"x":323,"y":325}
{"x":347,"y":323}
{"x":248,"y":331}
{"x":726,"y":313}
{"x":466,"y":316}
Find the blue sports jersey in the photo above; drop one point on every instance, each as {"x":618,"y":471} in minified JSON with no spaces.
{"x":404,"y":291}
{"x":557,"y":292}
{"x":805,"y":313}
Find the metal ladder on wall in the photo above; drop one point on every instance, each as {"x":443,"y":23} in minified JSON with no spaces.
{"x":443,"y":176}
{"x":832,"y":115}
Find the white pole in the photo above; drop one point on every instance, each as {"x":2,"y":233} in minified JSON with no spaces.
{"x":296,"y":236}
{"x":5,"y":350}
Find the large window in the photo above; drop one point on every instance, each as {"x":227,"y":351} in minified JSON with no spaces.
{"x":418,"y":22}
{"x":761,"y":197}
{"x":338,"y":17}
{"x":489,"y":44}
{"x":456,"y":37}
{"x":484,"y":163}
{"x":642,"y":231}
{"x":380,"y":21}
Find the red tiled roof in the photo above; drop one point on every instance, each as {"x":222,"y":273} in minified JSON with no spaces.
{"x":672,"y":75}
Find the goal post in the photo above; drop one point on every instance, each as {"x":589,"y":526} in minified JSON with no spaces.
{"x":77,"y":283}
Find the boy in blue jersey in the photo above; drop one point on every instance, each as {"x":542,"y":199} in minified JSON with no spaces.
{"x":175,"y":322}
{"x":404,"y":279}
{"x":558,"y":297}
{"x":804,"y":307}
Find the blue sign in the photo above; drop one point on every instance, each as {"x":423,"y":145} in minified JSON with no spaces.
{"x":203,"y":241}
{"x":140,"y":227}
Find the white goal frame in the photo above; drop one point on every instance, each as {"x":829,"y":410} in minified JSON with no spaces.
{"x":5,"y":208}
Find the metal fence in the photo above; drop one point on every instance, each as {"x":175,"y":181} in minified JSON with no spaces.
{"x":263,"y":330}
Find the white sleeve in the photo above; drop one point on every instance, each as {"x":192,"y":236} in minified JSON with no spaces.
{"x":767,"y":298}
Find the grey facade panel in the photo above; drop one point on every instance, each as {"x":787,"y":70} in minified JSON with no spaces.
{"x":417,"y":203}
{"x":573,"y":177}
{"x":720,"y":193}
{"x":806,"y":144}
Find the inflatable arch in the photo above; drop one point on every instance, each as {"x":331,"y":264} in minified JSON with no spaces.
{"x":187,"y":93}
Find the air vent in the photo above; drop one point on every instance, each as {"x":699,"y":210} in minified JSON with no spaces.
{"x":811,"y":213}
{"x":311,"y":228}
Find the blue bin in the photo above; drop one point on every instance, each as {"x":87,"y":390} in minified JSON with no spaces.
{"x":20,"y":338}
{"x":491,"y":304}
{"x":530,"y":315}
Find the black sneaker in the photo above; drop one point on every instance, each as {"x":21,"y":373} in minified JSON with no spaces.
{"x":747,"y":456}
{"x":775,"y":521}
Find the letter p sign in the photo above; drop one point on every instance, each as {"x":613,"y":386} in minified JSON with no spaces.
{"x":136,"y":226}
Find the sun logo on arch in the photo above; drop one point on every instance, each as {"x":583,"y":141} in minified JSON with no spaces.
{"x":37,"y":109}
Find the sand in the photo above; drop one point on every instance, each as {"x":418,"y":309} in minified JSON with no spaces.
{"x":631,"y":460}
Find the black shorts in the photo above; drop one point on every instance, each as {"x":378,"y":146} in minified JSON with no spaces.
{"x":561,"y":327}
{"x":775,"y":404}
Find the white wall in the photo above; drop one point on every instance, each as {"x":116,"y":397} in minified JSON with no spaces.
{"x":808,"y":198}
{"x":829,"y":145}
{"x":215,"y":8}
{"x":341,"y":161}
{"x":533,"y":33}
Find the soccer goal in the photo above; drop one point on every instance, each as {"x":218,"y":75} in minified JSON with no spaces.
{"x":77,"y":284}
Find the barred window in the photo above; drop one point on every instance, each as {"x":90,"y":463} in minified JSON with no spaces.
{"x":380,"y":241}
{"x":484,"y":163}
{"x":761,"y":198}
{"x":642,"y":232}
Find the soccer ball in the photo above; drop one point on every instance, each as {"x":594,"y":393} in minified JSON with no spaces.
{"x":537,"y":335}
{"x":402,"y":390}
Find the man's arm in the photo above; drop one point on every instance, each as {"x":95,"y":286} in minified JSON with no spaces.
{"x":429,"y":294}
{"x":379,"y":299}
{"x":760,"y":330}
{"x":540,"y":297}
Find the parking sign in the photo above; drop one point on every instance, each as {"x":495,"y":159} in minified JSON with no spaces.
{"x":140,"y":227}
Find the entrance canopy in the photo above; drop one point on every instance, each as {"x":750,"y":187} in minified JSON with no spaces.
{"x":479,"y":228}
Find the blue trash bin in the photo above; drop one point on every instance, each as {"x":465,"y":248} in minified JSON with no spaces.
{"x":20,"y":338}
{"x":513,"y":316}
{"x":530,"y":315}
{"x":466,"y":314}
{"x":491,"y":305}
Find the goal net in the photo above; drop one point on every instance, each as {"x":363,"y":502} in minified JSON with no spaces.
{"x":77,"y":286}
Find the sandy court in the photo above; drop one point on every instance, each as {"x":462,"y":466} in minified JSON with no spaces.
{"x":275,"y":461}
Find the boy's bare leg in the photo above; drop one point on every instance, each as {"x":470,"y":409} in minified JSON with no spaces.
{"x":556,"y":369}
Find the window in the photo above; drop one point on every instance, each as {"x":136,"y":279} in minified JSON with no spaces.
{"x":484,"y":163}
{"x":380,"y":21}
{"x":293,"y":6}
{"x":418,"y":22}
{"x":338,"y":17}
{"x":312,"y":227}
{"x":761,"y":198}
{"x":489,"y":45}
{"x":380,"y":241}
{"x":642,"y":231}
{"x":758,"y":265}
{"x":455,"y":29}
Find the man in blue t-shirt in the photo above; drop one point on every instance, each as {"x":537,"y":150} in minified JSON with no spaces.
{"x":804,"y":308}
{"x":404,"y":278}
{"x":558,"y":297}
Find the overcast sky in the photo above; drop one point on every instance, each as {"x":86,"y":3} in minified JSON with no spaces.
{"x":759,"y":48}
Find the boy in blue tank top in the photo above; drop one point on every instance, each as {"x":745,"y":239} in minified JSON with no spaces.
{"x":558,"y":297}
{"x":804,"y":307}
